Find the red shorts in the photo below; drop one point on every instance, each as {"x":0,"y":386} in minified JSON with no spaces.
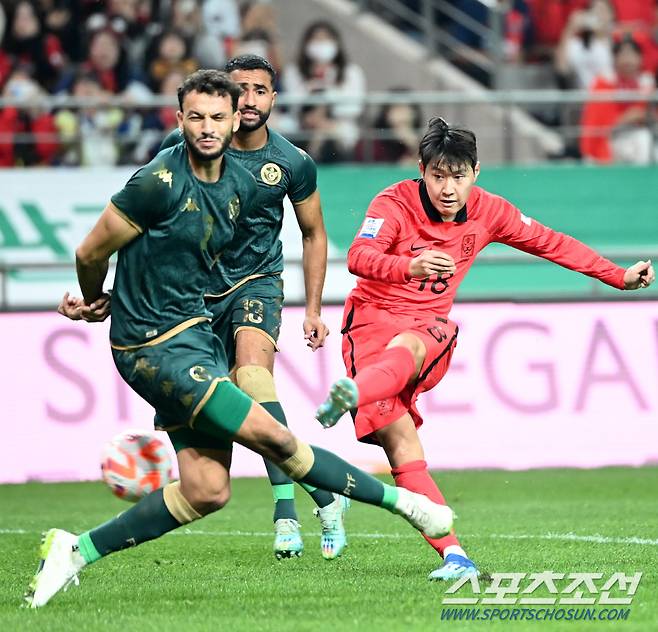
{"x":367,"y":330}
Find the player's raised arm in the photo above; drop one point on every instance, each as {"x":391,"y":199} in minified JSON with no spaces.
{"x":515,"y":229}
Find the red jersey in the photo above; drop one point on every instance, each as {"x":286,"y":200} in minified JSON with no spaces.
{"x":401,"y":222}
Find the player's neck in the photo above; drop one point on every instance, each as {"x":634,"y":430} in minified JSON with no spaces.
{"x":250,"y":141}
{"x":206,"y":170}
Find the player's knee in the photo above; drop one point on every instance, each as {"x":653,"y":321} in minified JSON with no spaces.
{"x":257,"y":382}
{"x":207,"y":496}
{"x":414,"y":344}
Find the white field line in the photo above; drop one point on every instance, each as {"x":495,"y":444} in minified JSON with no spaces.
{"x":560,"y":537}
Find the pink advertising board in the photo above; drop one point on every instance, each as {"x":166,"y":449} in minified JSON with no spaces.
{"x":531,"y":385}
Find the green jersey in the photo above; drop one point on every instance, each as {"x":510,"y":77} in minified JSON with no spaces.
{"x":185,"y":225}
{"x":280,"y":169}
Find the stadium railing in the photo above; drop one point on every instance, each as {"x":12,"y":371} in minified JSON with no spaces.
{"x":463,"y":107}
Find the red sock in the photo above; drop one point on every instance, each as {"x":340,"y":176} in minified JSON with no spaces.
{"x":387,"y":377}
{"x":415,"y":477}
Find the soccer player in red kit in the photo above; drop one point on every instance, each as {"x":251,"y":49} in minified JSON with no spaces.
{"x":416,"y":244}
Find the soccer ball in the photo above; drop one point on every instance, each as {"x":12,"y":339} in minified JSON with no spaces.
{"x":134,"y":464}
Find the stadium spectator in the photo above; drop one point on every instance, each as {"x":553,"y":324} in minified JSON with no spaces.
{"x":158,"y":122}
{"x":26,"y":42}
{"x":585,"y":48}
{"x":322,"y":67}
{"x":89,"y":136}
{"x":258,"y":20}
{"x":61,"y":18}
{"x":210,"y":26}
{"x":416,"y":245}
{"x":396,"y":126}
{"x":172,"y":55}
{"x":613,"y":131}
{"x":549,"y":19}
{"x":28,"y":135}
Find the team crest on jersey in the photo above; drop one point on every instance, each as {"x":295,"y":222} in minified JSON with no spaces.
{"x":199,"y":374}
{"x":233,"y":208}
{"x":270,"y":173}
{"x":165,"y":175}
{"x":468,"y":245}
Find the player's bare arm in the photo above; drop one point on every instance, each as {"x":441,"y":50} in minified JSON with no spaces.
{"x":110,"y":233}
{"x":314,"y":261}
{"x":639,"y":276}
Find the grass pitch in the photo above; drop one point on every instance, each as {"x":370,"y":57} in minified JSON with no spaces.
{"x":220,"y":573}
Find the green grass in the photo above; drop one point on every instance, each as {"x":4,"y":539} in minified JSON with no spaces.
{"x":221,"y":575}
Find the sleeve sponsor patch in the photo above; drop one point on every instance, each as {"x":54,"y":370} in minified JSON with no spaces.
{"x":371,"y":227}
{"x":525,"y":219}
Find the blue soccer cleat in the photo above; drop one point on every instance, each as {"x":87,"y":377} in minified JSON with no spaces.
{"x":343,"y":396}
{"x":287,"y":539}
{"x":454,"y":566}
{"x":332,"y":520}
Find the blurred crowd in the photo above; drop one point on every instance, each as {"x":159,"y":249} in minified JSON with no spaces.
{"x":131,"y":50}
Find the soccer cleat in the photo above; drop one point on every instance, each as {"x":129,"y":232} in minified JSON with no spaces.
{"x":287,"y":539}
{"x":343,"y":396}
{"x":333,"y":539}
{"x":59,"y":564}
{"x":454,"y":566}
{"x":432,"y":519}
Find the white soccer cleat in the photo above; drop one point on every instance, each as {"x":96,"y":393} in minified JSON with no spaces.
{"x":287,"y":539}
{"x":432,"y":519}
{"x":332,"y":521}
{"x":59,"y":564}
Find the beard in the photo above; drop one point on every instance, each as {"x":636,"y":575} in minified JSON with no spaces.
{"x":251,"y":126}
{"x":207,"y":156}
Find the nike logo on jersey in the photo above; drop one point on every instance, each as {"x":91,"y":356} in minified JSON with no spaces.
{"x":415,"y":246}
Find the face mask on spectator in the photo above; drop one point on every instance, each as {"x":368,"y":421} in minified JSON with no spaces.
{"x":21,"y":89}
{"x":322,"y":51}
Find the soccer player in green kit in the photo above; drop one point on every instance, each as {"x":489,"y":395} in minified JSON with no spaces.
{"x":246,"y":293}
{"x":170,"y":225}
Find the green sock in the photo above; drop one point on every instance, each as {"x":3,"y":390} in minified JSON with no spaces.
{"x":146,"y":520}
{"x":284,"y":498}
{"x":321,"y":497}
{"x":330,"y":472}
{"x":283,"y":488}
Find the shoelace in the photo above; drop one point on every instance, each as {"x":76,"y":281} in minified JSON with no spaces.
{"x":327,"y":524}
{"x":287,"y":527}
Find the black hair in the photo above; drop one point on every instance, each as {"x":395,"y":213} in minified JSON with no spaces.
{"x":381,"y":121}
{"x":305,"y":63}
{"x":251,"y":62}
{"x":209,"y":82}
{"x":452,"y":146}
{"x":626,"y":40}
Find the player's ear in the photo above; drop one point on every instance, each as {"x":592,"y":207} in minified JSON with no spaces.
{"x":236,"y":121}
{"x":421,"y":168}
{"x":476,"y":170}
{"x":179,"y":120}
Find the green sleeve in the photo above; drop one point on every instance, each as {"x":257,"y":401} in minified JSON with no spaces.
{"x":145,"y":198}
{"x":172,"y":138}
{"x":304,"y":179}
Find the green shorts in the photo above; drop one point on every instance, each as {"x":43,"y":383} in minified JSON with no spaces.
{"x":177,"y":377}
{"x":256,"y":304}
